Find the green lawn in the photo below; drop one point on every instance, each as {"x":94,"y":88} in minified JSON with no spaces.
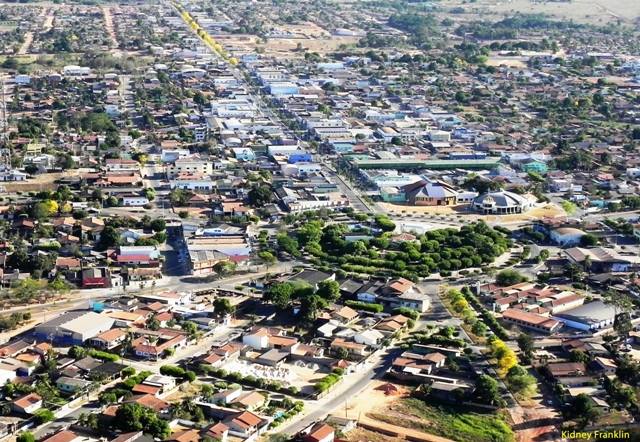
{"x":454,"y":423}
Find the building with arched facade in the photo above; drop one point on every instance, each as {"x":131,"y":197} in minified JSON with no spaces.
{"x":501,"y":203}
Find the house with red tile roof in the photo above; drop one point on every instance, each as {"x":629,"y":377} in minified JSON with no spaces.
{"x":320,"y":432}
{"x":246,"y":424}
{"x":28,"y":404}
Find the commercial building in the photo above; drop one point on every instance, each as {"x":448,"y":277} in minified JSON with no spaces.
{"x":566,"y":236}
{"x":413,"y":164}
{"x":73,"y":328}
{"x":592,"y":316}
{"x":531,"y":320}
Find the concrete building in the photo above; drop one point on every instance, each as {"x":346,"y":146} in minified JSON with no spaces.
{"x":423,"y":193}
{"x":73,"y":328}
{"x":588,"y":317}
{"x":190,"y":165}
{"x":501,"y":203}
{"x":531,"y":320}
{"x":566,"y":236}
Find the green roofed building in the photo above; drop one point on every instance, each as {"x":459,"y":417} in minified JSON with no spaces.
{"x":411,"y":164}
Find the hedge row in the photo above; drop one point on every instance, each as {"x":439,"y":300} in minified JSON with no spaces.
{"x":327,"y":382}
{"x":486,"y":315}
{"x":238,"y":378}
{"x":366,"y":306}
{"x":177,"y":372}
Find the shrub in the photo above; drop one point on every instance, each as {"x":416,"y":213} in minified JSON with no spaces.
{"x":172,"y":370}
{"x":44,"y":415}
{"x":408,"y":312}
{"x":326,"y":382}
{"x":103,"y":355}
{"x":369,"y":307}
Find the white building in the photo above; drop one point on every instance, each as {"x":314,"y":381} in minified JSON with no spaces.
{"x":566,"y":236}
{"x":191,"y":165}
{"x":75,"y":71}
{"x":595,"y":315}
{"x":300,"y":169}
{"x":134,"y":201}
{"x":258,"y":339}
{"x":501,"y":203}
{"x":372,"y":338}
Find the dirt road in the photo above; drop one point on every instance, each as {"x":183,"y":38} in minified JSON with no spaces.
{"x":108,"y":24}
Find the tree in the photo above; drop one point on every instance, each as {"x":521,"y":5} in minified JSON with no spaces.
{"x":158,"y":225}
{"x":59,"y":285}
{"x":44,"y":415}
{"x":385,"y":223}
{"x":329,"y":290}
{"x":521,"y":382}
{"x":622,"y":324}
{"x":10,"y":63}
{"x":525,"y":343}
{"x":578,"y":356}
{"x":108,"y":238}
{"x":280,"y":294}
{"x":135,"y":417}
{"x":25,"y":436}
{"x":309,"y":306}
{"x":187,"y":409}
{"x":288,"y":244}
{"x":260,"y":195}
{"x":224,"y":268}
{"x":77,"y":352}
{"x":584,"y":410}
{"x":179,"y":197}
{"x":488,"y":391}
{"x":45,"y":209}
{"x":28,"y":288}
{"x":65,"y":162}
{"x":622,"y":306}
{"x":107,"y":398}
{"x":479,"y":328}
{"x":267,"y":257}
{"x":588,"y":240}
{"x":509,"y":277}
{"x":505,"y":357}
{"x":342,"y":353}
{"x":190,"y":327}
{"x":310,"y":232}
{"x":223,"y":306}
{"x":153,"y":323}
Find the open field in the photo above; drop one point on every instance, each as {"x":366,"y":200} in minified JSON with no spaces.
{"x":309,"y":36}
{"x":583,"y":11}
{"x":362,"y":435}
{"x":542,"y":211}
{"x":288,"y":46}
{"x":39,"y":182}
{"x":445,"y":421}
{"x":411,"y":417}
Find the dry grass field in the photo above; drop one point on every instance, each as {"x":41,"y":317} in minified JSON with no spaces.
{"x":583,"y":11}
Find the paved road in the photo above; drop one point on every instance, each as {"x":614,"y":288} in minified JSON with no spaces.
{"x":64,"y":422}
{"x":322,"y":407}
{"x":356,"y":201}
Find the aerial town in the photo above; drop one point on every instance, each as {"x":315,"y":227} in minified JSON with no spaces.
{"x":318,"y":221}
